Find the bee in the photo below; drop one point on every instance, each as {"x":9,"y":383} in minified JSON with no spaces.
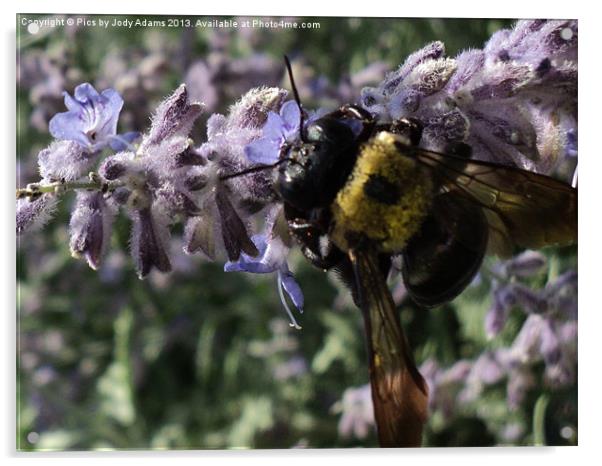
{"x":357,"y":192}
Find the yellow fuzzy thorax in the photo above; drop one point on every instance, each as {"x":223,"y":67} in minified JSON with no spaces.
{"x":390,"y":225}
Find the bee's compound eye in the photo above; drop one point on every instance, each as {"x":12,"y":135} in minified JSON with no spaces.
{"x":314,"y":132}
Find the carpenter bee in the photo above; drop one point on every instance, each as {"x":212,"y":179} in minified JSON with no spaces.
{"x":357,"y":192}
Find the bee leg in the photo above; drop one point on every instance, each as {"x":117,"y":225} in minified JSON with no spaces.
{"x":356,"y":112}
{"x":459,"y":149}
{"x":315,"y":245}
{"x":344,"y":270}
{"x":411,"y":128}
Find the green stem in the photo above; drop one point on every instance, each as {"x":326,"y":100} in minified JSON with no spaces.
{"x":539,"y":420}
{"x":36,"y":189}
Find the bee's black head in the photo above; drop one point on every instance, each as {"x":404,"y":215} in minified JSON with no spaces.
{"x":318,"y":166}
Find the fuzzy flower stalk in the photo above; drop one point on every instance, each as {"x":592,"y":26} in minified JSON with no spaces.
{"x":514,"y":102}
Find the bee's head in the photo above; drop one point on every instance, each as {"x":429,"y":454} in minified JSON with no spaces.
{"x":317,"y":166}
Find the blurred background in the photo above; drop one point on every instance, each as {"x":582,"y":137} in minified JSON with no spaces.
{"x":203,"y":359}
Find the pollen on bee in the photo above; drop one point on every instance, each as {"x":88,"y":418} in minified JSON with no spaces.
{"x":390,"y":213}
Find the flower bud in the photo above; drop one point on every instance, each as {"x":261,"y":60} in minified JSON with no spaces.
{"x":251,"y":111}
{"x":526,"y":264}
{"x":64,"y":160}
{"x":150,"y":237}
{"x":32,"y":214}
{"x":90,"y":227}
{"x":175,"y":116}
{"x":430,"y":52}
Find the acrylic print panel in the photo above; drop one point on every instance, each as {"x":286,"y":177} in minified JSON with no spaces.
{"x":174,"y":200}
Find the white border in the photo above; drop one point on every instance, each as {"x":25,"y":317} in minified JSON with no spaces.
{"x":590,"y":171}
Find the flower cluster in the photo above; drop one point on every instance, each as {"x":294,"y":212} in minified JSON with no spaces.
{"x":543,"y":351}
{"x":514,"y":102}
{"x":163,"y":179}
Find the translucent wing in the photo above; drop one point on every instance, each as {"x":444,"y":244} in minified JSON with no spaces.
{"x":523,"y":209}
{"x":399,"y":393}
{"x":444,"y":256}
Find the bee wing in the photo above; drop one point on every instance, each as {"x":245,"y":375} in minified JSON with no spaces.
{"x":399,"y":393}
{"x":523,"y":209}
{"x":443,"y":257}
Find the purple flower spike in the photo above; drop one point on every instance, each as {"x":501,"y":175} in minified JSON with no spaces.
{"x":279,"y":129}
{"x":271,"y":258}
{"x":513,"y":102}
{"x":91,"y":119}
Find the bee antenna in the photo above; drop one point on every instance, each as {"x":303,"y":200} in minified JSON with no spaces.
{"x":296,"y":95}
{"x":254,"y":169}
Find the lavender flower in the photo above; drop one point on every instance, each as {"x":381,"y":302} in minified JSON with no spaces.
{"x":357,"y":419}
{"x":537,"y":340}
{"x":279,"y":129}
{"x":520,"y":381}
{"x":497,"y":100}
{"x":272,"y":258}
{"x":91,"y":119}
{"x":526,"y":264}
{"x":445,"y":385}
{"x":173,"y":118}
{"x":486,"y":370}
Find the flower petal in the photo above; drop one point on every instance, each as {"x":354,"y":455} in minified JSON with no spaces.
{"x":291,"y":115}
{"x":85,"y":92}
{"x":107,"y":108}
{"x":122,"y":142}
{"x":71,"y":103}
{"x":259,"y":264}
{"x":274,"y":127}
{"x":292,"y":288}
{"x":92,"y":117}
{"x":68,"y":126}
{"x":263,"y":151}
